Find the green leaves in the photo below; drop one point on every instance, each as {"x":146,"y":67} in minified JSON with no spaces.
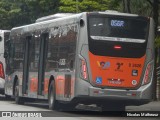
{"x":20,"y":12}
{"x":141,"y":7}
{"x":83,"y":5}
{"x":69,"y":6}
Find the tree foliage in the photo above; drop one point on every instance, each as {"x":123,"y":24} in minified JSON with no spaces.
{"x":73,"y":6}
{"x":141,"y":7}
{"x":21,"y":12}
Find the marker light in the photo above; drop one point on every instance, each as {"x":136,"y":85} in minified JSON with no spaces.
{"x":117,"y":47}
{"x":84,"y":73}
{"x":147,"y":75}
{"x":2,"y":71}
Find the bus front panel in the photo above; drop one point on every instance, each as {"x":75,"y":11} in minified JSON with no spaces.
{"x":118,"y":60}
{"x":117,"y":50}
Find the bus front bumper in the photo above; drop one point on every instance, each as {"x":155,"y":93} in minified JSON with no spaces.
{"x":139,"y":96}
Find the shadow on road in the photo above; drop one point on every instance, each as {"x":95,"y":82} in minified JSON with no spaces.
{"x":38,"y":105}
{"x":77,"y":113}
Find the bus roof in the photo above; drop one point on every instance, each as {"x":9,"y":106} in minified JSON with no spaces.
{"x":49,"y":23}
{"x":55,"y":16}
{"x":4,"y":31}
{"x":113,"y":12}
{"x":72,"y":18}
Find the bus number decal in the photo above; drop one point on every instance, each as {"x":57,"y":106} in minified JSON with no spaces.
{"x":119,"y":65}
{"x":135,"y":65}
{"x":117,"y":23}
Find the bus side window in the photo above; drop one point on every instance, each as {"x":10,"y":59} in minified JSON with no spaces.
{"x":6,"y":49}
{"x":12,"y":50}
{"x":61,"y":48}
{"x":71,"y":64}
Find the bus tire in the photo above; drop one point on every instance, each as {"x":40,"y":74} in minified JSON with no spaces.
{"x":52,"y":102}
{"x":18,"y":99}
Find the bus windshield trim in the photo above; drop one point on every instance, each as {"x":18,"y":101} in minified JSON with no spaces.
{"x":118,"y":39}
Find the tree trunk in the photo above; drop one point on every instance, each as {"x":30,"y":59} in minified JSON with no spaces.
{"x":126,"y":6}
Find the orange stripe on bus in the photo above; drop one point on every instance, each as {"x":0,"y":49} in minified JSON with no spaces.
{"x":116,"y":71}
{"x":60,"y":85}
{"x":33,"y":84}
{"x":46,"y":83}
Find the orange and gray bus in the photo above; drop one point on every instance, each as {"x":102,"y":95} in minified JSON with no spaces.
{"x":4,"y":36}
{"x":102,"y":58}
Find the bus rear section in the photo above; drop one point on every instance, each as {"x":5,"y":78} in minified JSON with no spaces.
{"x":117,"y":61}
{"x":4,"y":34}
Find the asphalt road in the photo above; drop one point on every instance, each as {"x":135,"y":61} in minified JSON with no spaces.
{"x":41,"y":109}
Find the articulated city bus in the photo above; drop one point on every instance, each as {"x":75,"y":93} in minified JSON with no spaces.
{"x":103,"y":58}
{"x":4,"y":36}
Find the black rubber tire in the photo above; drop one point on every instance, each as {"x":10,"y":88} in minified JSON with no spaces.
{"x":56,"y":105}
{"x":52,"y":102}
{"x":18,"y":99}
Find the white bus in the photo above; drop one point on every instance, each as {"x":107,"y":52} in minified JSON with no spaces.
{"x":103,"y":58}
{"x":4,"y":36}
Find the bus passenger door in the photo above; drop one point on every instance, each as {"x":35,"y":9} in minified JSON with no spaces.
{"x":26,"y":66}
{"x":42,"y":62}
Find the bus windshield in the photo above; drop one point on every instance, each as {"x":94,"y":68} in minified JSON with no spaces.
{"x":107,"y":31}
{"x":114,"y":28}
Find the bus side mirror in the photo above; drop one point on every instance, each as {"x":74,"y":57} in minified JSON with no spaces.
{"x":5,"y":55}
{"x":82,"y":23}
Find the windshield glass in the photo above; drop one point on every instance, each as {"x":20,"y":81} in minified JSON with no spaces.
{"x":118,"y":29}
{"x":107,"y":31}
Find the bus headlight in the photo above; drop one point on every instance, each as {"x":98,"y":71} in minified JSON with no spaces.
{"x":148,"y":73}
{"x":83,"y":69}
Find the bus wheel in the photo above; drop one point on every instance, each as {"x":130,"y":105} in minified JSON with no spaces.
{"x":53,"y":103}
{"x":18,"y":99}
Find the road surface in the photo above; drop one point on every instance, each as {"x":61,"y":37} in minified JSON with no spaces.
{"x":41,"y":109}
